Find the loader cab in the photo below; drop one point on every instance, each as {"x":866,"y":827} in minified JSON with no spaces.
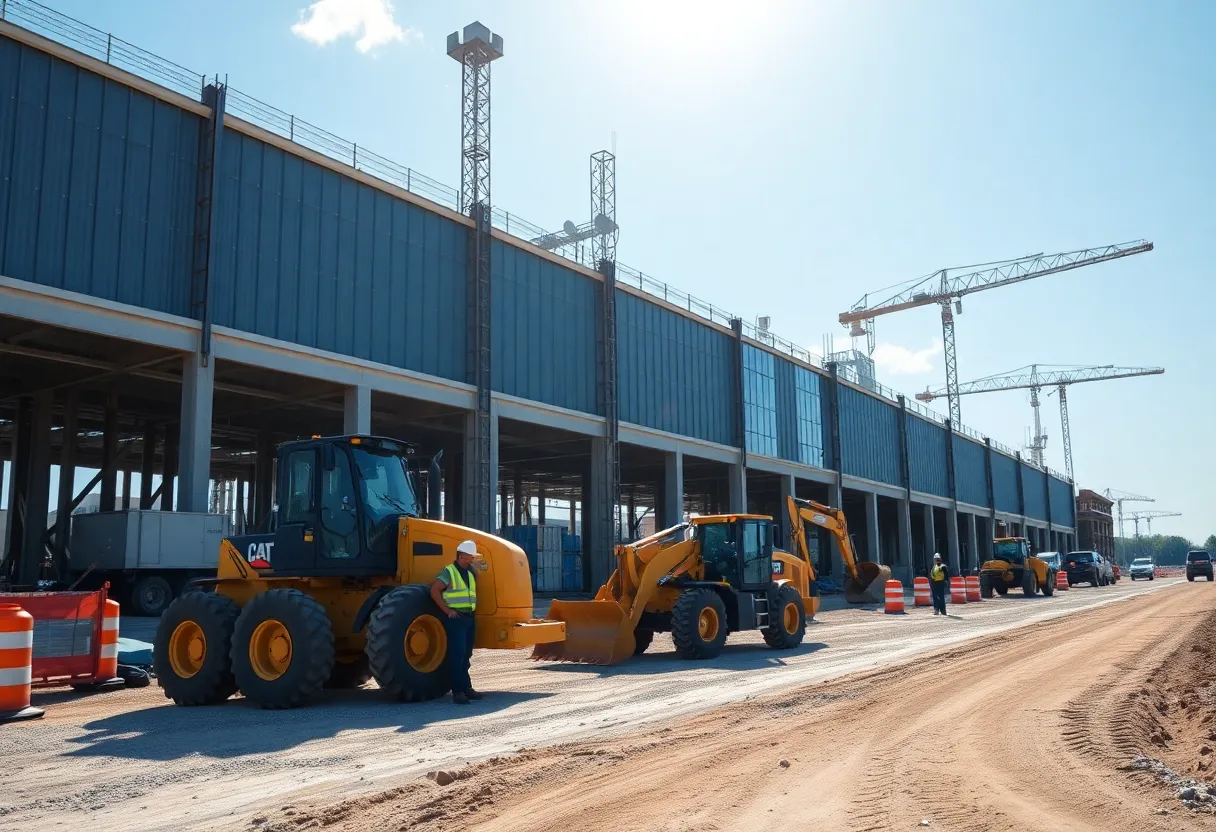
{"x":1013,"y":550}
{"x":339,"y":503}
{"x":737,"y":550}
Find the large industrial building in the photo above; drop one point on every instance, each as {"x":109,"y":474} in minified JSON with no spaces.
{"x":188,"y":277}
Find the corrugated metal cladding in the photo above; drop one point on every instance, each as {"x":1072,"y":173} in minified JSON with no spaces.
{"x":927,"y":460}
{"x":970,"y":471}
{"x":799,"y":414}
{"x":307,"y":255}
{"x":97,"y":184}
{"x":673,"y":373}
{"x":869,"y":437}
{"x":1034,"y":490}
{"x":544,"y":331}
{"x":1005,"y":483}
{"x":1063,"y":503}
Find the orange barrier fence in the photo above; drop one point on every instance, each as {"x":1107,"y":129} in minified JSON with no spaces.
{"x":75,"y":636}
{"x":921,"y":597}
{"x":894,"y":596}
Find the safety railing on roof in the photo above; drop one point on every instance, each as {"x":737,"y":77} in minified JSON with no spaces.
{"x":103,"y":46}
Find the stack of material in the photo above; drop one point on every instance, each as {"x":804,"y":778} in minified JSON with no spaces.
{"x":572,"y":563}
{"x":543,"y":546}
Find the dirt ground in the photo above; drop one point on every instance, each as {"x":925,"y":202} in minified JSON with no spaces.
{"x":969,"y":738}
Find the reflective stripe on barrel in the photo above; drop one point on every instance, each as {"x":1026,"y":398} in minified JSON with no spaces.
{"x":107,"y":662}
{"x":958,"y":590}
{"x":921,"y":596}
{"x":894,"y":597}
{"x":973,"y":588}
{"x":1061,"y":580}
{"x":16,"y":659}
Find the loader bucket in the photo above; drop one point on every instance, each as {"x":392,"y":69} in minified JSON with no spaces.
{"x":870,"y":584}
{"x":597,"y":632}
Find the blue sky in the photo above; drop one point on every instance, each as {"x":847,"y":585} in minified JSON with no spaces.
{"x":783,"y":158}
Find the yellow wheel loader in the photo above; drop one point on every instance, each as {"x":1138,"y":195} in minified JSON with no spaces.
{"x":1012,"y":566}
{"x":700,"y":581}
{"x":338,"y":592}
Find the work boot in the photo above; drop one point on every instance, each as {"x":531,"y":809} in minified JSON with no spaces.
{"x":472,"y":694}
{"x":460,"y":699}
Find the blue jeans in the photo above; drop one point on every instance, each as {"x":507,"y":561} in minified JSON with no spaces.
{"x":460,"y":651}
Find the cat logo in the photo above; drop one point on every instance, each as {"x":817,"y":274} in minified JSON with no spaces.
{"x":259,"y":555}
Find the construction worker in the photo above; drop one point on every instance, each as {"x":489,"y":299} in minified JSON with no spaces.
{"x":454,"y":590}
{"x":939,"y":582}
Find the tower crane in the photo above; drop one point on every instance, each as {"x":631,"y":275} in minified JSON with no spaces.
{"x":1034,"y":379}
{"x":1120,"y":497}
{"x":946,"y":288}
{"x":1148,"y":516}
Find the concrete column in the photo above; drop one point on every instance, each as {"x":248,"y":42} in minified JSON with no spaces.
{"x":504,"y":509}
{"x":109,"y":448}
{"x":974,"y":558}
{"x":541,"y":496}
{"x":30,"y":487}
{"x":146,"y":466}
{"x":169,"y":477}
{"x":903,"y":517}
{"x":930,"y":535}
{"x":873,"y":534}
{"x":953,"y":556}
{"x":263,"y":475}
{"x":126,"y":488}
{"x":788,"y":489}
{"x":736,"y":483}
{"x":241,"y":515}
{"x":357,"y":410}
{"x":67,"y":478}
{"x":452,"y":489}
{"x":672,"y":504}
{"x":599,"y":515}
{"x":573,"y":515}
{"x":470,"y":474}
{"x":194,"y":453}
{"x":836,"y":499}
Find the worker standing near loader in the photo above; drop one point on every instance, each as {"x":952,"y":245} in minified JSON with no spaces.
{"x":454,"y":590}
{"x":939,"y":582}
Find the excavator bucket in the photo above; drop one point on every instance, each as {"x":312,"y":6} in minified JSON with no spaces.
{"x":870,"y":585}
{"x":597,"y":632}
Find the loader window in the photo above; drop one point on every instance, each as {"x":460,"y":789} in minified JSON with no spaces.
{"x":339,"y":512}
{"x":299,"y":507}
{"x":719,"y":553}
{"x":757,"y":557}
{"x":388,"y":493}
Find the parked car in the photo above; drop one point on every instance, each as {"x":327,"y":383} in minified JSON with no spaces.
{"x":1142,"y":568}
{"x":1198,"y":563}
{"x":1053,"y":559}
{"x":1088,"y":567}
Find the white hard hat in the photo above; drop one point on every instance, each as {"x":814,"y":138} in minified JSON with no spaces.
{"x":937,"y":556}
{"x":467,"y":547}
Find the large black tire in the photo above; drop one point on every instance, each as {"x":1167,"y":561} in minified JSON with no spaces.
{"x":264,"y":678}
{"x":349,"y":674}
{"x":151,"y":595}
{"x":787,"y":618}
{"x":195,"y":668}
{"x":985,"y":586}
{"x":1028,"y":583}
{"x":1001,"y":589}
{"x":698,"y":624}
{"x":416,"y":676}
{"x":641,"y":640}
{"x":1049,"y":588}
{"x":1190,"y":578}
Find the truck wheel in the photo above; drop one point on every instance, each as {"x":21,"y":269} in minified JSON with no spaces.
{"x":282,"y":648}
{"x":151,"y":595}
{"x":1001,"y":589}
{"x":985,"y":586}
{"x":191,"y":651}
{"x":1049,"y":588}
{"x":1028,"y":583}
{"x":698,"y":624}
{"x":786,"y":618}
{"x":641,"y":640}
{"x":407,"y":645}
{"x":354,"y":673}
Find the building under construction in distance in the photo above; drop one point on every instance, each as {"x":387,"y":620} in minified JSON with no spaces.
{"x":1095,"y":523}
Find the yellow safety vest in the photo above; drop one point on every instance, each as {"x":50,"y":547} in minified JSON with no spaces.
{"x":938,"y":573}
{"x":458,"y":595}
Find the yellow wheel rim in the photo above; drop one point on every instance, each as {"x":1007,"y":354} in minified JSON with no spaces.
{"x":270,"y":649}
{"x":426,"y":643}
{"x":790,"y":618}
{"x":707,"y":624}
{"x":187,"y":649}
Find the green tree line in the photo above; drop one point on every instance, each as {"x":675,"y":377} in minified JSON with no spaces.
{"x":1164,"y":549}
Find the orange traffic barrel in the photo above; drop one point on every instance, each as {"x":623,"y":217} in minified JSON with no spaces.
{"x":107,"y":657}
{"x":973,"y":588}
{"x":958,"y":590}
{"x":920,"y":592}
{"x":894,"y":596}
{"x":16,"y":663}
{"x":1062,"y":580}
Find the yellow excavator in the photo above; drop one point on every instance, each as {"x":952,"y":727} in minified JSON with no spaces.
{"x":701,"y":580}
{"x":338,"y":591}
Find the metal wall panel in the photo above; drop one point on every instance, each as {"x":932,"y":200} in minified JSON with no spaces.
{"x":97,"y":184}
{"x":1063,"y":503}
{"x":759,"y":401}
{"x":544,"y":330}
{"x":310,"y":256}
{"x":787,"y":413}
{"x":1034,"y":493}
{"x":1005,"y":483}
{"x":869,"y":437}
{"x":970,"y":471}
{"x":674,"y":373}
{"x":927,"y":459}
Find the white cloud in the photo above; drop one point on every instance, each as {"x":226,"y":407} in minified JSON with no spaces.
{"x":371,"y":21}
{"x":897,"y":360}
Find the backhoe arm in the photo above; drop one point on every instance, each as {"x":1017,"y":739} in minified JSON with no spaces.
{"x":824,"y":517}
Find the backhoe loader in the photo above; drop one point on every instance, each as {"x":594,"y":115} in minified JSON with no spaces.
{"x":338,"y":591}
{"x":1012,"y":566}
{"x":701,"y":580}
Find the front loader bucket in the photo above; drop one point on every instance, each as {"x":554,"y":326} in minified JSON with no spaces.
{"x":870,"y":585}
{"x":597,"y":632}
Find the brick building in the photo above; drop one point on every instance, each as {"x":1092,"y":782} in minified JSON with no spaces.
{"x":1095,"y":525}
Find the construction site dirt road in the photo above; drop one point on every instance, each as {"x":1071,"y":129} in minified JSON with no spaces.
{"x":930,"y":719}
